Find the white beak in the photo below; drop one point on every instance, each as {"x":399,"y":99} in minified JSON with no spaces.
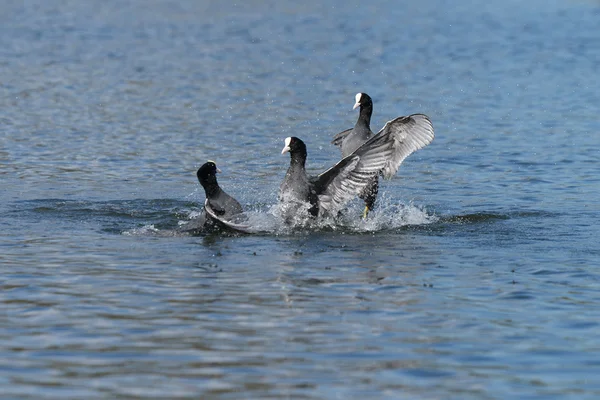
{"x":286,"y":148}
{"x":357,"y":100}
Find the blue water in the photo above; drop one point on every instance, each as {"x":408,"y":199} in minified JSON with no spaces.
{"x":477,"y":277}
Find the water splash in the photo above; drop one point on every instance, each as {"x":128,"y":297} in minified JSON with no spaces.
{"x":388,"y":215}
{"x":271,"y":220}
{"x":172,"y":218}
{"x":144,"y":231}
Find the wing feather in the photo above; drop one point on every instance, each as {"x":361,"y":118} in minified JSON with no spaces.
{"x":231,"y":224}
{"x":352,"y":174}
{"x":339,"y":138}
{"x":408,"y":134}
{"x":381,"y":154}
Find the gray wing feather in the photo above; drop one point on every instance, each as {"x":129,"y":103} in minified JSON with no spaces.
{"x":337,"y":185}
{"x":352,"y":174}
{"x":382,"y":153}
{"x":339,"y":138}
{"x":407,"y":135}
{"x":224,"y":222}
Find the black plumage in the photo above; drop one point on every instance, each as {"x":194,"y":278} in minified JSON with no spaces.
{"x":218,"y":201}
{"x":222,"y":203}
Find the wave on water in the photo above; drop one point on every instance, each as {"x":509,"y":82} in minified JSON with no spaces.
{"x":173,"y":218}
{"x":168,"y":217}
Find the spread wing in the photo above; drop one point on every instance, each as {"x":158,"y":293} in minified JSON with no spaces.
{"x":337,"y":185}
{"x":406,"y":134}
{"x":339,"y":138}
{"x":382,"y":153}
{"x":215,"y":208}
{"x":348,"y":178}
{"x":232,"y":224}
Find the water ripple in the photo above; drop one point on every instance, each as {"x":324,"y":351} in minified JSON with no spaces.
{"x":475,"y":276}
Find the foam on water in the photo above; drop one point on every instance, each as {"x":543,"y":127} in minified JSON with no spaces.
{"x":388,"y":215}
{"x":151,"y":230}
{"x":144,"y":230}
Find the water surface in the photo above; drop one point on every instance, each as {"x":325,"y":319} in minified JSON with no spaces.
{"x":476,"y":278}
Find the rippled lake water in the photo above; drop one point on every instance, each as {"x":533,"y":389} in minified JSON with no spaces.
{"x":477,"y":277}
